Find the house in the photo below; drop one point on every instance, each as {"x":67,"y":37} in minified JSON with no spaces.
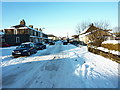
{"x":45,"y":37}
{"x":94,"y":34}
{"x":52,"y":37}
{"x":1,"y":36}
{"x":117,"y":35}
{"x":21,"y":33}
{"x":75,"y":37}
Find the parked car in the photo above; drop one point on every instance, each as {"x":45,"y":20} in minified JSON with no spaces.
{"x":4,"y":45}
{"x":25,"y":49}
{"x":76,"y":43}
{"x":40,"y":46}
{"x":52,"y":43}
{"x":65,"y":42}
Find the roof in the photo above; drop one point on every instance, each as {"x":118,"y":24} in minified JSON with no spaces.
{"x":23,"y":27}
{"x":82,"y":35}
{"x":89,"y":29}
{"x":84,"y":30}
{"x":51,"y":35}
{"x":33,"y":29}
{"x":75,"y":36}
{"x":27,"y":43}
{"x":17,"y":26}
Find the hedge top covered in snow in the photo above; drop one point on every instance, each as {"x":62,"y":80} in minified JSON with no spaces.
{"x":106,"y":50}
{"x":111,"y":42}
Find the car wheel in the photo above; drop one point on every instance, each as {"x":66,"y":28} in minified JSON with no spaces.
{"x":28,"y":53}
{"x":15,"y":56}
{"x":45,"y":47}
{"x":35,"y":51}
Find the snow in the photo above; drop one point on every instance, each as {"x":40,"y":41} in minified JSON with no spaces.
{"x":110,"y":51}
{"x":106,"y":50}
{"x":85,"y":34}
{"x":80,"y":36}
{"x":23,"y":27}
{"x":59,"y":66}
{"x":33,"y":29}
{"x":1,"y":33}
{"x":85,"y":30}
{"x":36,"y":36}
{"x":111,"y":42}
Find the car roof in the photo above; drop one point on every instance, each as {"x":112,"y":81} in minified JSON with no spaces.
{"x":27,"y":43}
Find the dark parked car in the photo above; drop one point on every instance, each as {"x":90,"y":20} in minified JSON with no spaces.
{"x":40,"y":46}
{"x":25,"y":49}
{"x":65,"y":42}
{"x":4,"y":45}
{"x":52,"y":43}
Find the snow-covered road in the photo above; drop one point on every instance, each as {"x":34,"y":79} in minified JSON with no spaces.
{"x":58,"y":66}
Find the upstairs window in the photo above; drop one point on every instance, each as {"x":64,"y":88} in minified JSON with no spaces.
{"x":15,"y":31}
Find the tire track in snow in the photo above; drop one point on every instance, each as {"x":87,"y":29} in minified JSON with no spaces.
{"x":50,"y":65}
{"x":35,"y":73}
{"x":51,"y":68}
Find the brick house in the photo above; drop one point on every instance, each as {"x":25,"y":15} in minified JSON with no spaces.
{"x":21,"y":33}
{"x":93,"y":34}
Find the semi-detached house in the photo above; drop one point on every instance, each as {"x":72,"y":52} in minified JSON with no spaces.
{"x":21,"y":33}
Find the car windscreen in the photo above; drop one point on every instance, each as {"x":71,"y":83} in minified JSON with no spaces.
{"x":39,"y":44}
{"x":24,"y":46}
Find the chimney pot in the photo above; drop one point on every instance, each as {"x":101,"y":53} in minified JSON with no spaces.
{"x":36,"y":28}
{"x":31,"y":26}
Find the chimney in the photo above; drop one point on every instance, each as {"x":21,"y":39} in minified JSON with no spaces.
{"x":22,"y":22}
{"x":36,"y":28}
{"x":91,"y":24}
{"x":31,"y":26}
{"x":40,"y":29}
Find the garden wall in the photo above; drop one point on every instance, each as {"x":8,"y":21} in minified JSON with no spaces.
{"x":113,"y":55}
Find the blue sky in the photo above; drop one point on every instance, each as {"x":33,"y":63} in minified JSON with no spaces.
{"x":58,"y":18}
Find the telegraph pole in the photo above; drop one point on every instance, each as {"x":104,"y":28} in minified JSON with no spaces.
{"x":67,"y":37}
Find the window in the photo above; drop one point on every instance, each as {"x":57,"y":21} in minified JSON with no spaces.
{"x":35,"y":33}
{"x":31,"y":39}
{"x":17,"y":39}
{"x":3,"y":40}
{"x":31,"y":45}
{"x":15,"y":31}
{"x":24,"y":46}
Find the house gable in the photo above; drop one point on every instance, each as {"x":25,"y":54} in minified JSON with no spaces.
{"x":89,"y":29}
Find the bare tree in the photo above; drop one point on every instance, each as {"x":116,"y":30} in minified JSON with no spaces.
{"x":81,"y":27}
{"x":102,"y":24}
{"x":78,"y":29}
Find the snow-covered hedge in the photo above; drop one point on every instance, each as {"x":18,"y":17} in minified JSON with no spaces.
{"x":111,"y":54}
{"x":111,"y":42}
{"x":112,"y":45}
